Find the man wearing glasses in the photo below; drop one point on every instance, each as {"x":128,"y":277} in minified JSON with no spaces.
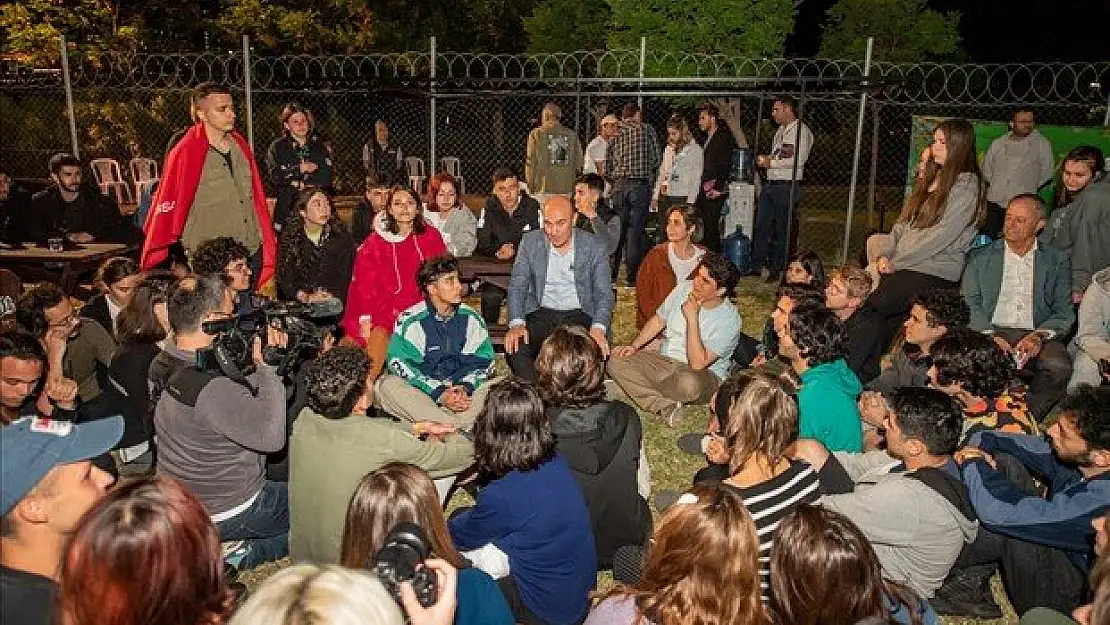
{"x":229,"y":260}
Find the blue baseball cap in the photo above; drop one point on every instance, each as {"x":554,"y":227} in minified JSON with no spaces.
{"x":31,"y":446}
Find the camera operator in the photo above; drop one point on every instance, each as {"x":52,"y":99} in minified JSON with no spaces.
{"x":213,"y":432}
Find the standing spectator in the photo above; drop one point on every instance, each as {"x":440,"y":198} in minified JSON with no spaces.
{"x":845,"y":293}
{"x":811,"y":339}
{"x":595,"y":213}
{"x":1092,"y":338}
{"x":594,"y":162}
{"x":713,"y":186}
{"x":530,"y":527}
{"x":382,"y":158}
{"x":370,"y":208}
{"x":445,"y":210}
{"x":316,"y":255}
{"x":1019,"y":292}
{"x":680,"y":173}
{"x":15,"y":210}
{"x":630,"y":162}
{"x":601,"y":440}
{"x":403,"y":493}
{"x":673,"y":590}
{"x":440,"y":356}
{"x":507,"y":215}
{"x":47,"y":483}
{"x":775,"y":214}
{"x":553,"y":157}
{"x":670,"y":263}
{"x":926,"y":247}
{"x":115,"y":279}
{"x":211,"y":188}
{"x":339,"y":425}
{"x":146,"y":554}
{"x":700,"y":328}
{"x":1019,"y":162}
{"x":79,"y":212}
{"x":297,"y":159}
{"x":561,"y":276}
{"x":815,"y":545}
{"x":384,"y":279}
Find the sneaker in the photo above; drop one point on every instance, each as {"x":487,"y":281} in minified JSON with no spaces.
{"x":967,"y":593}
{"x":691,"y":443}
{"x":234,"y":552}
{"x":673,"y":415}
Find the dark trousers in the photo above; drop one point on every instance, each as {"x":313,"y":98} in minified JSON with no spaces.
{"x":773,"y":216}
{"x":709,"y":212}
{"x":540,"y":325}
{"x":1033,"y":575}
{"x":890,"y":303}
{"x":264,"y":526}
{"x":492,"y":298}
{"x":521,"y":612}
{"x":1048,"y":373}
{"x":632,"y":200}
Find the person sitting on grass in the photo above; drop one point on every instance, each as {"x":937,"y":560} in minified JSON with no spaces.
{"x":440,"y":356}
{"x":699,"y":328}
{"x":229,"y":260}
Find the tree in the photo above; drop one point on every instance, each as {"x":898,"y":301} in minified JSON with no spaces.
{"x":751,"y":28}
{"x":92,"y":28}
{"x":905,"y":31}
{"x":299,"y":27}
{"x":568,"y":26}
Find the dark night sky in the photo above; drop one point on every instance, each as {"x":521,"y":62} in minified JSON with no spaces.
{"x":1000,"y":30}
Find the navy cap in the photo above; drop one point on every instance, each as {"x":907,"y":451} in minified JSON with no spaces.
{"x":31,"y":446}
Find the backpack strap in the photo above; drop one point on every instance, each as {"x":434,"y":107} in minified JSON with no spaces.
{"x":947,"y":486}
{"x":186,"y":384}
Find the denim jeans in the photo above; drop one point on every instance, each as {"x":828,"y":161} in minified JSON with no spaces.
{"x":632,"y":200}
{"x":773,"y":215}
{"x":264,"y":526}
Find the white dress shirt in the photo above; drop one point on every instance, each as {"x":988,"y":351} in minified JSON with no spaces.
{"x":1015,"y":297}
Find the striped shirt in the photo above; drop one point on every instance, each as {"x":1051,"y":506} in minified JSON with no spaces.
{"x":773,"y":500}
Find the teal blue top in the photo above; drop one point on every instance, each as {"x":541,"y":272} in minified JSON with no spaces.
{"x":827,"y":406}
{"x":480,"y":601}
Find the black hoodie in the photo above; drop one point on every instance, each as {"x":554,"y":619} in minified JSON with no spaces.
{"x":601,"y":443}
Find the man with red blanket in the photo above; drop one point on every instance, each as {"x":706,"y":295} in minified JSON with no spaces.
{"x":211,"y":187}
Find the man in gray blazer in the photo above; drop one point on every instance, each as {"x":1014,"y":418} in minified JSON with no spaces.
{"x":1020,"y":292}
{"x":561,"y":276}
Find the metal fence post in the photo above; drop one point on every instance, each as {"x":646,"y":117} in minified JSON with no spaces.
{"x":643,"y":61}
{"x":855,"y":157}
{"x":1106,"y":119}
{"x":432,"y":114}
{"x":247,"y":86}
{"x":874,"y":166}
{"x":69,"y":99}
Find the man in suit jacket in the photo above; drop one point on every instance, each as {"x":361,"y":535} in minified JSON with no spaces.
{"x":561,"y":276}
{"x":1020,"y":292}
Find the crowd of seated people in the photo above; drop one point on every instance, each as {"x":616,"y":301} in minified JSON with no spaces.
{"x":911,"y":428}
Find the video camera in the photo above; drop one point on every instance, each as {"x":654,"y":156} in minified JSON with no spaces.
{"x":230,"y":352}
{"x":405,"y":549}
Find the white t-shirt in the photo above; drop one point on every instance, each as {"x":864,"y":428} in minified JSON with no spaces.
{"x":683,"y":268}
{"x":719,"y":328}
{"x":439,"y":220}
{"x":595,"y":152}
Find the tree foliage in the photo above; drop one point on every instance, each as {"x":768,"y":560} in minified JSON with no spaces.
{"x":568,"y":26}
{"x":318,"y":27}
{"x":92,"y":28}
{"x":904,"y":31}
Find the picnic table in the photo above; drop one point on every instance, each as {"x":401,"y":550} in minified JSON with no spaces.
{"x":30,"y":261}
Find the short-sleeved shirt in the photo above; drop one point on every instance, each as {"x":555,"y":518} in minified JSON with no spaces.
{"x":719,"y":327}
{"x":26,"y":598}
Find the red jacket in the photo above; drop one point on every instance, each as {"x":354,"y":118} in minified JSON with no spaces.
{"x":384,"y":280}
{"x":170,"y":207}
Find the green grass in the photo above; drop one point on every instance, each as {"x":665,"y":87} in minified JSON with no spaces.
{"x":672,"y":469}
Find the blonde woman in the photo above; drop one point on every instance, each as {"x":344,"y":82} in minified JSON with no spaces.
{"x":680,"y":172}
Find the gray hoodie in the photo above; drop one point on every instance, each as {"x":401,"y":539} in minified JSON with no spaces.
{"x":1092,"y":339}
{"x":916,"y":532}
{"x":1090,"y":229}
{"x":939,"y":249}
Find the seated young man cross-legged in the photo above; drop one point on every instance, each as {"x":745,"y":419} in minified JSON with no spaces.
{"x":699,"y":329}
{"x":440,"y":354}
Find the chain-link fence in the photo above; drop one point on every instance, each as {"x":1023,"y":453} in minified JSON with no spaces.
{"x":483,"y":107}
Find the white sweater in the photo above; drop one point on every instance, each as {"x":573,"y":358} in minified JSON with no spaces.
{"x":682,"y":173}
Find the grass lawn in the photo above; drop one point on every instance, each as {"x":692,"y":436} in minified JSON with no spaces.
{"x":670,"y":468}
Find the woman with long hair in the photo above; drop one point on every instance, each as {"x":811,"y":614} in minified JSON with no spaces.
{"x":297,"y":159}
{"x":926,"y":247}
{"x":530,"y":527}
{"x":701,"y":567}
{"x":670,"y":263}
{"x":115,"y":280}
{"x":383,"y":282}
{"x":147,"y":554}
{"x":762,"y":423}
{"x":804,"y":267}
{"x":1081,"y":167}
{"x":679,"y":178}
{"x":824,"y":572}
{"x":454,"y":220}
{"x":315,"y":251}
{"x":399,"y":493}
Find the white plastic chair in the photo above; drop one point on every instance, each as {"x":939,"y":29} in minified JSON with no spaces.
{"x":144,"y":173}
{"x":417,"y":174}
{"x":108,"y":177}
{"x":452,"y":166}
